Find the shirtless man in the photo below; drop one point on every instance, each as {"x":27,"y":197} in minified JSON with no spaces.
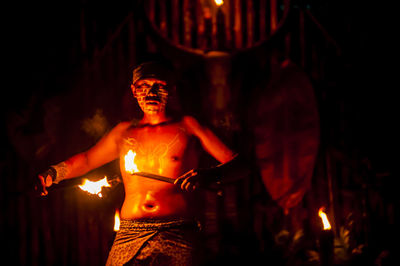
{"x":155,"y":215}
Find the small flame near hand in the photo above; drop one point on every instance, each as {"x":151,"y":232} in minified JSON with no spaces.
{"x":116,"y":221}
{"x":94,"y":187}
{"x":130,"y":165}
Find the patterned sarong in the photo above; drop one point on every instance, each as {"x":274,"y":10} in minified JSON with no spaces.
{"x":152,"y":242}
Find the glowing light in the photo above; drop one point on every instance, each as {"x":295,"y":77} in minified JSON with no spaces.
{"x":130,"y":165}
{"x":116,"y":221}
{"x":324,"y":218}
{"x":219,"y":2}
{"x":94,"y":187}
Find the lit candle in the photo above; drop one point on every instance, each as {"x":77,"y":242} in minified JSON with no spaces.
{"x":325,"y":240}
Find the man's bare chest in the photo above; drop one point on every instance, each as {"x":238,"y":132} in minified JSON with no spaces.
{"x":156,"y":147}
{"x":156,"y":140}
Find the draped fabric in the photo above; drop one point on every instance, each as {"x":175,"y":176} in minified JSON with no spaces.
{"x":286,"y":134}
{"x":153,"y":242}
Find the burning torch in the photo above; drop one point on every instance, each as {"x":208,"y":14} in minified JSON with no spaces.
{"x":132,"y":168}
{"x":95,"y":187}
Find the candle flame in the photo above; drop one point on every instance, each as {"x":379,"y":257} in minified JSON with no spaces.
{"x":94,"y":187}
{"x":324,"y":218}
{"x":116,"y":221}
{"x":130,"y":165}
{"x":219,"y":2}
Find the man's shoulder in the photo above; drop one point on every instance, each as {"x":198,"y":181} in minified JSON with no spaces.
{"x":190,"y":121}
{"x":121,"y":127}
{"x":192,"y":125}
{"x":126,"y":125}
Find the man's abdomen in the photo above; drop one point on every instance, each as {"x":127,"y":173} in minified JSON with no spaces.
{"x":154,"y":199}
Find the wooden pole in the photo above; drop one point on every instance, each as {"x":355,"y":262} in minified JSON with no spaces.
{"x":273,"y":25}
{"x":151,"y":13}
{"x":187,"y":24}
{"x":250,"y":23}
{"x":175,"y":21}
{"x":214,"y":40}
{"x":274,"y":15}
{"x":151,"y":10}
{"x":163,"y":19}
{"x":201,"y":42}
{"x":131,"y":40}
{"x":237,"y":27}
{"x":302,"y":38}
{"x":226,"y":9}
{"x":263,"y":20}
{"x":221,"y":29}
{"x":331,"y":193}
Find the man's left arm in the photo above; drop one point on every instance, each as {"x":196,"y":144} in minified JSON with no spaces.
{"x":229,"y":160}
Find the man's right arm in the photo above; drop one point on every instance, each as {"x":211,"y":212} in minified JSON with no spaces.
{"x":104,"y":151}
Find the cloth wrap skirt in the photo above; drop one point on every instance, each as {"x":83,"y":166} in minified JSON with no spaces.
{"x":154,"y":242}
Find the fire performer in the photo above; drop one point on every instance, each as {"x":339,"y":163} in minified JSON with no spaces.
{"x":157,"y":218}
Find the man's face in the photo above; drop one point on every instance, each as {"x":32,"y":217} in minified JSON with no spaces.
{"x":151,"y":95}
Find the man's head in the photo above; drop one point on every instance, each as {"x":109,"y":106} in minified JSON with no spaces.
{"x":150,"y":86}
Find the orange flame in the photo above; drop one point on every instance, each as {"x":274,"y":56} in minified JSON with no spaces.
{"x":324,"y":218}
{"x":94,"y":187}
{"x":219,"y":2}
{"x":116,"y":221}
{"x":130,"y":165}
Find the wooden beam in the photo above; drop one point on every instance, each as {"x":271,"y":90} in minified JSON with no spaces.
{"x":237,"y":27}
{"x":250,"y":24}
{"x":263,"y":19}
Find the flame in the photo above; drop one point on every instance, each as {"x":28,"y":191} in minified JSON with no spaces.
{"x":219,"y":2}
{"x":94,"y":187}
{"x":324,"y":218}
{"x":116,"y":221}
{"x":130,"y":165}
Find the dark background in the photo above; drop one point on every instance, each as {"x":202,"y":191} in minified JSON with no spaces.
{"x":68,"y":62}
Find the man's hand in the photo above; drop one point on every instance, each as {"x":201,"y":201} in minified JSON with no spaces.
{"x":195,"y":178}
{"x":45,"y":180}
{"x":188,"y":180}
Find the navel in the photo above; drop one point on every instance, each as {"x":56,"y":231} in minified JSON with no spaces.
{"x":150,"y":207}
{"x":150,"y":204}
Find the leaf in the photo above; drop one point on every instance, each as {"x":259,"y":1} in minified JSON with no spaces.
{"x":282,"y":237}
{"x":297,"y":236}
{"x":358,"y":250}
{"x":312,"y":256}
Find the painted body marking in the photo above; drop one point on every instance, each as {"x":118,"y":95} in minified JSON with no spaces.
{"x":150,"y":158}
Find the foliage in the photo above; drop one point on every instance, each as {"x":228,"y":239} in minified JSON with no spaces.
{"x":301,"y":249}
